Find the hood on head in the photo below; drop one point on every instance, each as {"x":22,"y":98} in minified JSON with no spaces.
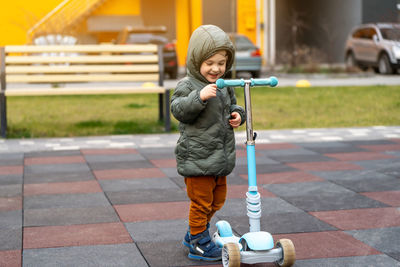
{"x":205,"y":41}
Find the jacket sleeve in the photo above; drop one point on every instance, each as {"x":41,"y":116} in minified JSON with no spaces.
{"x":186,"y":104}
{"x":235,"y":107}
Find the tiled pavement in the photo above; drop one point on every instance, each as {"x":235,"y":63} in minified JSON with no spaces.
{"x":338,"y":201}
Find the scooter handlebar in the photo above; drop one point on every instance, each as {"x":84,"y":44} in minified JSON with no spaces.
{"x":271,"y":81}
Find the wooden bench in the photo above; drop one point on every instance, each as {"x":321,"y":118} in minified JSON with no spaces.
{"x":82,"y":70}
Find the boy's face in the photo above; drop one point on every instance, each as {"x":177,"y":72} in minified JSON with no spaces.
{"x":214,"y":67}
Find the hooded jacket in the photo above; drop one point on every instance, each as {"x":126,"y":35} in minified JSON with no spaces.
{"x":206,"y":146}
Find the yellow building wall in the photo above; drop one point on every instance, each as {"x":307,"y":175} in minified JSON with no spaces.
{"x":17,"y":16}
{"x":119,"y":7}
{"x":246,"y":18}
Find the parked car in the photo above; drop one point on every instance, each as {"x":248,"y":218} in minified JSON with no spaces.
{"x":374,"y":45}
{"x":152,"y":35}
{"x":248,"y":56}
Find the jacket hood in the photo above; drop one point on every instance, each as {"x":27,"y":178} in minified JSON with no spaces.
{"x":205,"y":41}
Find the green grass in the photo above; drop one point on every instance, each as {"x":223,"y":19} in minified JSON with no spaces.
{"x":273,"y":108}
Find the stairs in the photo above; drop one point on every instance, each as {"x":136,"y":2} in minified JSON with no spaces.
{"x":64,"y":18}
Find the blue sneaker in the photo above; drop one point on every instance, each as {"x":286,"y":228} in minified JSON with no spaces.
{"x":203,"y":248}
{"x":186,"y":239}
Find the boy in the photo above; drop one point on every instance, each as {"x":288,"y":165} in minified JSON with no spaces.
{"x":205,"y":151}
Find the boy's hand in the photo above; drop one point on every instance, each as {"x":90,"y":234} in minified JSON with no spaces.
{"x":208,"y":92}
{"x":235,"y":119}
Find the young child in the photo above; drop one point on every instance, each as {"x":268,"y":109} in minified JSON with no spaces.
{"x":205,"y":151}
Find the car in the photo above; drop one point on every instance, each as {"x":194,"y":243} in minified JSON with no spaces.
{"x":248,"y":55}
{"x":375,"y":45}
{"x":152,"y":35}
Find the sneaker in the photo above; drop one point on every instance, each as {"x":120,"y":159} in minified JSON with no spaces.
{"x":203,"y":248}
{"x":186,"y":239}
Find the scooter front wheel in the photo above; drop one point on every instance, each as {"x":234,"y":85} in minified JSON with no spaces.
{"x":231,"y":255}
{"x":288,"y":252}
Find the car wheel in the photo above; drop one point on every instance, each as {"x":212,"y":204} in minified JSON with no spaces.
{"x":255,"y":74}
{"x":350,"y":61}
{"x":384,"y":65}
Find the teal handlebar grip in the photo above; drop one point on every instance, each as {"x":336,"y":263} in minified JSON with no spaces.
{"x":271,"y":81}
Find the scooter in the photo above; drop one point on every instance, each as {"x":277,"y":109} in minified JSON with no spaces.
{"x":255,"y":246}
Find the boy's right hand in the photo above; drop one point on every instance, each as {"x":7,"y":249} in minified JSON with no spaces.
{"x":208,"y":92}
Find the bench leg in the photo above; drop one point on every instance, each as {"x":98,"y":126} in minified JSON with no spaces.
{"x":167,"y":111}
{"x":160,"y":107}
{"x":3,"y":115}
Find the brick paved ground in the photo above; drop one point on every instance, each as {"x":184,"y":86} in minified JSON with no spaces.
{"x":338,"y":201}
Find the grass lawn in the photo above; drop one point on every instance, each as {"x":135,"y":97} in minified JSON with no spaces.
{"x":273,"y":108}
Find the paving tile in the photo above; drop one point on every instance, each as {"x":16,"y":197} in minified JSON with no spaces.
{"x":169,"y":253}
{"x":12,"y":169}
{"x":290,"y":222}
{"x":137,"y":184}
{"x":360,"y":218}
{"x":361,"y":181}
{"x":331,"y":244}
{"x":10,"y":258}
{"x":118,"y":151}
{"x":324,"y":166}
{"x":54,"y":160}
{"x":371,"y":142}
{"x":55,"y":168}
{"x":13,"y":190}
{"x":285,"y":177}
{"x":389,"y":167}
{"x":10,"y":203}
{"x":386,"y":240}
{"x":237,"y":207}
{"x":300,"y":158}
{"x":264,"y":168}
{"x":62,"y":188}
{"x":358,"y":156}
{"x":11,"y":237}
{"x":69,"y":216}
{"x":388,"y":147}
{"x":157,"y":153}
{"x":153,"y":211}
{"x":58,"y":153}
{"x":158,"y":231}
{"x":34,"y":178}
{"x":92,"y":158}
{"x":93,"y":256}
{"x":65,"y":201}
{"x":129,"y":173}
{"x":146,"y":196}
{"x":288,"y":152}
{"x":239,"y":191}
{"x":234,"y":179}
{"x":171,"y":172}
{"x":360,"y":261}
{"x":331,"y":147}
{"x":9,"y":179}
{"x":164,"y":163}
{"x":75,"y":235}
{"x":260,"y":160}
{"x":10,"y":161}
{"x":276,"y":146}
{"x":391,"y":198}
{"x":321,"y":196}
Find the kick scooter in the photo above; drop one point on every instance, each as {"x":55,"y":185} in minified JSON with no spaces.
{"x":256,"y":246}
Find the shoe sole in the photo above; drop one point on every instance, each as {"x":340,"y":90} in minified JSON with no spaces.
{"x":202,"y":258}
{"x":185,"y":243}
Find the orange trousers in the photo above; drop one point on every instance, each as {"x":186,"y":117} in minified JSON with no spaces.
{"x":207,"y":195}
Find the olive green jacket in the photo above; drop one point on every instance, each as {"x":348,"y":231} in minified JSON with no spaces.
{"x":206,"y":145}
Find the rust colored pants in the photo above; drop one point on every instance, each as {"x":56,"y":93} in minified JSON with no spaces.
{"x":207,"y":195}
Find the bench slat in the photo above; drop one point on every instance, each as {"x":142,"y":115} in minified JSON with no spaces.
{"x":80,"y":48}
{"x":82,"y":59}
{"x":82,"y":78}
{"x":81,"y":69}
{"x":83,"y":91}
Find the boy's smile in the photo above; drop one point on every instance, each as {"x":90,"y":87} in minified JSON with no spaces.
{"x":214,"y":67}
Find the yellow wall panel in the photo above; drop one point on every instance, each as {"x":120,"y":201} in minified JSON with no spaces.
{"x":119,"y":7}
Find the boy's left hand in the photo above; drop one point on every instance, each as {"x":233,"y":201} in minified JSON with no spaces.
{"x":235,"y":119}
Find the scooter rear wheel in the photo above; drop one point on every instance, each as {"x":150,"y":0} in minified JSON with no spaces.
{"x":288,"y":252}
{"x":231,"y":255}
